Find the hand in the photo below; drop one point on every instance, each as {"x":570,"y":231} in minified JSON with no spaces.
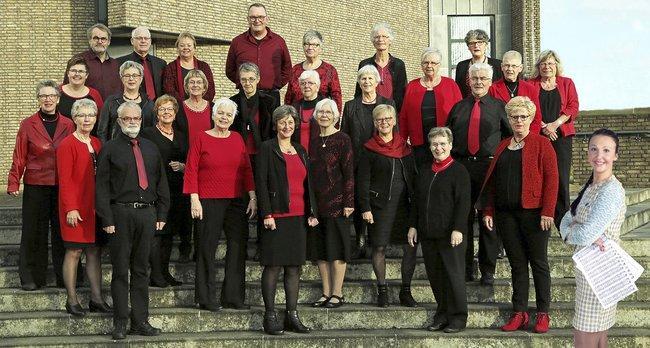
{"x":159,"y":225}
{"x":73,"y":218}
{"x":601,"y":243}
{"x":457,"y":238}
{"x":546,"y":223}
{"x":412,"y":236}
{"x":251,"y":210}
{"x":269,"y":223}
{"x":488,"y":222}
{"x":15,"y":193}
{"x":348,"y":211}
{"x":367,"y":216}
{"x":197,"y":209}
{"x":176,"y":166}
{"x":109,"y":229}
{"x":312,"y":221}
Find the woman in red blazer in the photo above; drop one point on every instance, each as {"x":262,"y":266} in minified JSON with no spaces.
{"x":175,"y":72}
{"x":426,"y":105}
{"x":524,"y":174}
{"x":34,"y":160}
{"x":76,"y":157}
{"x":559,"y":105}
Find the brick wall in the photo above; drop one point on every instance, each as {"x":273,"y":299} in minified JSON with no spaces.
{"x":525,"y":31}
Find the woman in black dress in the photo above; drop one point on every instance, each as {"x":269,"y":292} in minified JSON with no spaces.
{"x":173,"y":150}
{"x":385,"y":188}
{"x":286,"y":202}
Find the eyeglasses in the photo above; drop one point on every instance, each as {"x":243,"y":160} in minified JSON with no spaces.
{"x":325,"y":112}
{"x":286,"y":124}
{"x":130,"y":119}
{"x":476,"y":43}
{"x":378,"y":37}
{"x":75,"y":71}
{"x":248,"y":80}
{"x":100,"y":39}
{"x":85,"y":116}
{"x":256,"y":18}
{"x":48,"y":96}
{"x":430,"y":63}
{"x":311,"y":45}
{"x":549,"y":64}
{"x":171,"y":109}
{"x":443,"y":144}
{"x":519,"y":118}
{"x":383,"y":120}
{"x":482,"y":79}
{"x":307,"y":83}
{"x":195,"y":82}
{"x":131,"y":76}
{"x":510,"y":66}
{"x":142,"y":38}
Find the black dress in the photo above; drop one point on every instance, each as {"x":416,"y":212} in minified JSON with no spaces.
{"x":391,"y":222}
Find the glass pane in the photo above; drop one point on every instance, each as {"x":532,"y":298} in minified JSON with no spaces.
{"x":460,"y":25}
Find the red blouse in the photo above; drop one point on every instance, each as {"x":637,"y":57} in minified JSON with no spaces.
{"x":385,"y":86}
{"x":305,"y":127}
{"x":330,"y":87}
{"x":569,"y":101}
{"x":296,"y":175}
{"x":197,"y":122}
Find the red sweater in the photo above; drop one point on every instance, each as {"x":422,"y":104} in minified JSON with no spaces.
{"x":525,"y":89}
{"x":296,"y":175}
{"x":447,"y":95}
{"x":569,"y":101}
{"x":539,"y":176}
{"x":330,"y":87}
{"x":218,"y":167}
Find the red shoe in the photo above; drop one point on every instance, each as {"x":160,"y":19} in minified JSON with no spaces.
{"x":518,"y":321}
{"x":542,"y":323}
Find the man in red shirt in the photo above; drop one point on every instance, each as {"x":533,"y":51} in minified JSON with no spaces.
{"x":264,"y":48}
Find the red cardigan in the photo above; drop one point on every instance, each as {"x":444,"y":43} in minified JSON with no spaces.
{"x":525,"y":89}
{"x":35,"y":152}
{"x":174,"y":85}
{"x":447,"y":95}
{"x":539,"y":176}
{"x":569,"y":101}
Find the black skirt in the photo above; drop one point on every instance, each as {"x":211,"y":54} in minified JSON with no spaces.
{"x":101,"y":238}
{"x":330,"y":240}
{"x":286,"y":245}
{"x":391,"y":222}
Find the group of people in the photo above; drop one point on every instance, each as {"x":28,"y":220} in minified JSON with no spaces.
{"x":144,"y":146}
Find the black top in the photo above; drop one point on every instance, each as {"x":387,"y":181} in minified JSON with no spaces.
{"x":462,"y":69}
{"x":107,"y":127}
{"x":428,"y":110}
{"x":512,"y":87}
{"x":507,"y":176}
{"x":49,"y":122}
{"x":117,"y":178}
{"x":244,"y":120}
{"x":493,"y":126}
{"x":398,"y":72}
{"x":170,"y":150}
{"x":550,"y":103}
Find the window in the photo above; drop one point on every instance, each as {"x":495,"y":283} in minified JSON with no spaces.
{"x":458,"y":28}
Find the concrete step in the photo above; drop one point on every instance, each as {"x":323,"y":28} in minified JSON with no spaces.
{"x":350,"y":317}
{"x":53,"y":299}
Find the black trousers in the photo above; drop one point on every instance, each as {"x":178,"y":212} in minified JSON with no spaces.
{"x":233,"y":290}
{"x":563,"y":150}
{"x":488,"y":242}
{"x":178,"y":222}
{"x":525,"y":243}
{"x":445,"y":266}
{"x":130,"y":246}
{"x":208,"y":232}
{"x":40,"y":213}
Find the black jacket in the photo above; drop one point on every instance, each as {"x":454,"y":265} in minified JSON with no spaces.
{"x":272,"y":183}
{"x":157,"y":66}
{"x":375,"y":177}
{"x":442,"y":202}
{"x":397,"y":70}
{"x":243,"y":125}
{"x":463,"y":67}
{"x":107,"y":127}
{"x":358,"y":124}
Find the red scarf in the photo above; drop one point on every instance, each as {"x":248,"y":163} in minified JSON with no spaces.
{"x":180,"y":84}
{"x":438,"y":167}
{"x":396,"y":148}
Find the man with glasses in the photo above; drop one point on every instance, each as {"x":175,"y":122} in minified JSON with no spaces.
{"x":102,"y":69}
{"x":153,"y":66}
{"x":477,"y":43}
{"x":132,"y":200}
{"x":263,"y":47}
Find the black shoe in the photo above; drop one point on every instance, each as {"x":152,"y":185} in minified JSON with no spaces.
{"x":271,"y":324}
{"x":59,"y":284}
{"x":405,"y":297}
{"x":119,"y":330}
{"x":451,"y":329}
{"x":172,"y":281}
{"x":29,"y":286}
{"x":501,"y":254}
{"x":75,"y":310}
{"x":158,"y":283}
{"x":184,"y":258}
{"x":321,"y":302}
{"x":144,"y":329}
{"x":487,"y":279}
{"x":99,"y":307}
{"x":382,"y":295}
{"x":256,"y":258}
{"x":292,"y":323}
{"x":213,"y":307}
{"x":238,"y":306}
{"x":330,"y":304}
{"x":437,"y":326}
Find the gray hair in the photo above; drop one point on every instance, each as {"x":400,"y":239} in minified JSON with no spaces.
{"x":478,"y":35}
{"x":379,"y":26}
{"x":382,"y":109}
{"x":430,"y":51}
{"x":309,"y":74}
{"x":481,"y":66}
{"x":368,"y":69}
{"x":128,"y":105}
{"x":139,"y":29}
{"x":100,"y":26}
{"x":310,"y":35}
{"x":131,"y":64}
{"x":440,"y":132}
{"x":283,"y":111}
{"x":513,"y":55}
{"x":47,"y":83}
{"x":83,"y":104}
{"x":221,"y":102}
{"x":248,"y":67}
{"x":521,"y":102}
{"x":332,"y":104}
{"x":546,"y":55}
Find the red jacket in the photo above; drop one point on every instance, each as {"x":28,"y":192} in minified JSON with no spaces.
{"x":447,"y":95}
{"x":35,"y":152}
{"x":569,"y":101}
{"x":175,"y":86}
{"x":525,"y":89}
{"x":539,"y":176}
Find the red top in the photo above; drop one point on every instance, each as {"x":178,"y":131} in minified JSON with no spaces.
{"x":539,"y":182}
{"x":35,"y":152}
{"x":330,"y":86}
{"x":569,"y":101}
{"x":76,"y":170}
{"x":525,"y":89}
{"x":385,"y":86}
{"x":270,"y":54}
{"x":296,"y":175}
{"x":102,"y":76}
{"x":218,"y":167}
{"x":305,"y":127}
{"x":251,"y":149}
{"x":197,"y":122}
{"x":447,"y":94}
{"x":173,"y":79}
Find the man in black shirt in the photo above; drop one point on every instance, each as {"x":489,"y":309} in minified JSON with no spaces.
{"x":478,"y":124}
{"x":132,"y":199}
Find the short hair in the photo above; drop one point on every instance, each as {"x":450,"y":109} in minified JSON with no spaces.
{"x":309,"y":74}
{"x":165,"y":98}
{"x":379,"y":26}
{"x":100,"y":26}
{"x":521,"y":102}
{"x":138,"y":29}
{"x":129,"y":104}
{"x":481,"y":66}
{"x":310,"y":35}
{"x":283,"y":111}
{"x":47,"y":83}
{"x":430,"y":51}
{"x":185,"y":35}
{"x":512,"y":54}
{"x":76,"y":60}
{"x":478,"y":35}
{"x":224,"y":102}
{"x":546,"y":55}
{"x":249,"y":67}
{"x":131,"y":64}
{"x":82,"y":104}
{"x":382,"y":109}
{"x":192,"y":74}
{"x":257,"y":4}
{"x":440,"y":132}
{"x":368,"y":69}
{"x":332,"y":104}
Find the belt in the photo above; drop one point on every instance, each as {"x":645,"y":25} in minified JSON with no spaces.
{"x":476,"y":159}
{"x":135,"y":205}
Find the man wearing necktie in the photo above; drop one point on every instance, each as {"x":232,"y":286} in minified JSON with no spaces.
{"x":153,"y":66}
{"x":132,"y":200}
{"x":478,"y":124}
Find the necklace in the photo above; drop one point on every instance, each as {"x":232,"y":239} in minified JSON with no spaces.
{"x":127,"y":98}
{"x":518,"y":144}
{"x":513,"y":92}
{"x":288,"y":150}
{"x":85,"y":139}
{"x":196,"y":106}
{"x":170,"y":133}
{"x":325,"y":141}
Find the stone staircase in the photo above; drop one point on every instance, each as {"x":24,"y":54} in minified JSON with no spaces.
{"x":37,"y":318}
